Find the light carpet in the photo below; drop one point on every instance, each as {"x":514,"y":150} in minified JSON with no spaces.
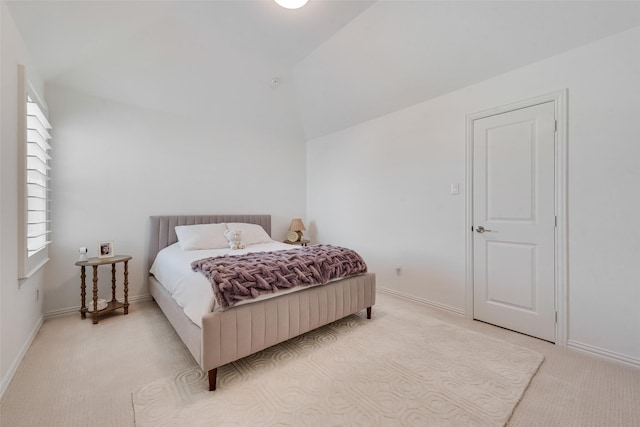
{"x":390,"y":370}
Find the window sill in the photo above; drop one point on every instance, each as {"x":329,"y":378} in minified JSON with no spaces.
{"x":27,"y":275}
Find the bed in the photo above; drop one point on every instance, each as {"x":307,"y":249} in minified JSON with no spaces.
{"x":219,"y":337}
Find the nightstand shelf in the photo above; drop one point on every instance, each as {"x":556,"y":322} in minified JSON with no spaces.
{"x":299,"y":242}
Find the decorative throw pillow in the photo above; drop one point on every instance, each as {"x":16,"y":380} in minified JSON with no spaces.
{"x":235,"y":239}
{"x":202,"y":236}
{"x":251,"y":233}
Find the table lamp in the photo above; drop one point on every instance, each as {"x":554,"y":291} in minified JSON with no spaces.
{"x":297,"y":227}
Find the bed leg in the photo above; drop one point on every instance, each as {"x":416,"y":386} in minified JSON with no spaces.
{"x":213,"y":373}
{"x":368,"y":312}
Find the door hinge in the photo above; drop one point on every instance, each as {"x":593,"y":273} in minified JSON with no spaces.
{"x":555,"y":221}
{"x":555,"y":126}
{"x":556,"y":317}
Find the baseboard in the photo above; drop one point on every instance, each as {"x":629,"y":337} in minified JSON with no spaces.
{"x":64,"y":311}
{"x":4,"y":385}
{"x":606,"y":354}
{"x":424,"y":301}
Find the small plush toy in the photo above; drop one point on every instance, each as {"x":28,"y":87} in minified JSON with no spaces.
{"x":234,"y":238}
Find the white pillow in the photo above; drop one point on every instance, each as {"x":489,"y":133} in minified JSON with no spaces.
{"x":251,"y":233}
{"x":202,"y":236}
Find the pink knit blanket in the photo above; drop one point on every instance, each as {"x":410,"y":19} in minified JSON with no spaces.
{"x":235,"y":278}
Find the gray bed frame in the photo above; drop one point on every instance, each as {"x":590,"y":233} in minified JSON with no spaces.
{"x":230,"y":335}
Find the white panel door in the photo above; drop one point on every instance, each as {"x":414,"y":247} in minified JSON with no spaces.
{"x":514,"y":220}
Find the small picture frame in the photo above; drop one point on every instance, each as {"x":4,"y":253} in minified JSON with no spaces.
{"x":105,"y":249}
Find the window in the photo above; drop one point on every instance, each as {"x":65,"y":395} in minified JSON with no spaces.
{"x":33,"y":191}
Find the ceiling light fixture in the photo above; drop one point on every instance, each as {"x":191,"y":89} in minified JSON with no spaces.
{"x":291,"y":4}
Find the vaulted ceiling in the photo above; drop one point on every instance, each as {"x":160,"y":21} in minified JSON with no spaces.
{"x":351,"y":60}
{"x":396,"y":54}
{"x":69,"y":36}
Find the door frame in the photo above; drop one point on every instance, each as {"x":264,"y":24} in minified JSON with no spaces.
{"x":559,"y":99}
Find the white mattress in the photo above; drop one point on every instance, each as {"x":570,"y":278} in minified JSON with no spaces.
{"x":191,"y":290}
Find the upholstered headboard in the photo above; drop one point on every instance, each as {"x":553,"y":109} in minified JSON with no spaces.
{"x":163,"y":231}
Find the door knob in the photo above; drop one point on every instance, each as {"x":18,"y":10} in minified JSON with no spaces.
{"x":481,"y":229}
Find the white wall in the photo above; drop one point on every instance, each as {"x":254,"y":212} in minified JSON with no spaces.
{"x":2,"y":89}
{"x":20,"y":311}
{"x":116,"y":164}
{"x":382,"y":187}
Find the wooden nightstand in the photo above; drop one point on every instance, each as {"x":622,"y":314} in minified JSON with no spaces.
{"x":114,"y":304}
{"x":299,"y":242}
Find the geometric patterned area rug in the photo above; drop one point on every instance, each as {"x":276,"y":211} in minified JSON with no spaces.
{"x":395,"y":369}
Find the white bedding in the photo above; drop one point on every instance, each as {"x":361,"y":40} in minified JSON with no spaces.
{"x":192,"y":290}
